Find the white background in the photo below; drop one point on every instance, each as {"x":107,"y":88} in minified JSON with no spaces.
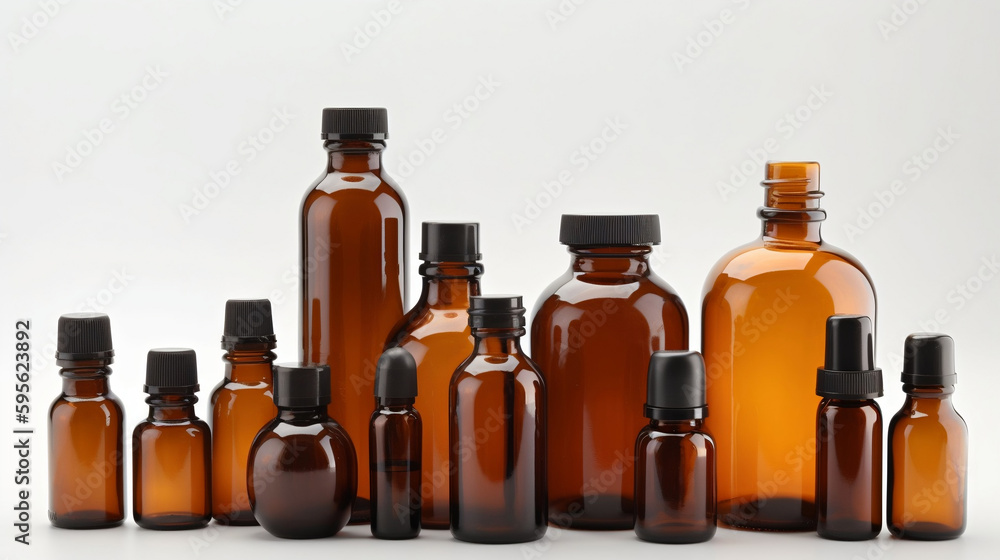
{"x":698,"y":98}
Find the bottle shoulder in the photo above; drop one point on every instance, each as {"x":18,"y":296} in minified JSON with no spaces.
{"x":571,"y":292}
{"x":652,"y":439}
{"x":353,"y":189}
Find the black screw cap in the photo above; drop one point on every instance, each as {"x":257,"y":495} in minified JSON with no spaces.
{"x":496,"y":312}
{"x":171,"y":370}
{"x":362,"y":123}
{"x":929,"y":359}
{"x":396,"y":375}
{"x":248,"y":321}
{"x":83,"y":336}
{"x":301,"y":385}
{"x":449,"y":242}
{"x":675,"y":386}
{"x":614,"y":231}
{"x":849,"y":372}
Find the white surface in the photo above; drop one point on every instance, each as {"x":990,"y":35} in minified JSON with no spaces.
{"x":62,"y":240}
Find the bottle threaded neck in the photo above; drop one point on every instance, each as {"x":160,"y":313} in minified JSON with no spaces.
{"x":791,"y":192}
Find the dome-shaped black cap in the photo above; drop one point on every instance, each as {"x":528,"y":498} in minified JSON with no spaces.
{"x":363,"y":123}
{"x":83,"y":336}
{"x":396,"y":375}
{"x":301,"y":385}
{"x":593,"y":230}
{"x":496,"y":312}
{"x":247,"y":321}
{"x":849,"y":372}
{"x":449,"y":242}
{"x":171,"y":370}
{"x":929,"y":359}
{"x":675,"y":386}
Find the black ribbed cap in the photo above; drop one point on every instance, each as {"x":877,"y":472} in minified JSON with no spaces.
{"x":301,"y":385}
{"x":449,"y":242}
{"x":396,"y":375}
{"x":362,"y":123}
{"x":247,"y":321}
{"x":641,"y":229}
{"x":929,"y":359}
{"x":171,"y":370}
{"x":496,"y":312}
{"x":849,"y":372}
{"x":84,"y":336}
{"x":675,"y":386}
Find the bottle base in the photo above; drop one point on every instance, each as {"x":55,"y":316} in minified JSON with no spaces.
{"x":361,"y":512}
{"x":241,"y":518}
{"x":926,"y":531}
{"x":676,"y":533}
{"x":172,"y":521}
{"x":848,"y":531}
{"x":601,"y":512}
{"x":769,"y":514}
{"x":497,"y":537}
{"x":85,"y":520}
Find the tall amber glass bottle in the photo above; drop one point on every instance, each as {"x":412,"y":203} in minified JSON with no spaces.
{"x":241,"y":404}
{"x":86,"y":429}
{"x":763,"y":315}
{"x":928,"y":446}
{"x":497,"y":435}
{"x":436,"y":333}
{"x":353,"y":269}
{"x":592,"y":335}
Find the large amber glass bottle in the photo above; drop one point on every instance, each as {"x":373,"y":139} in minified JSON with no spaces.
{"x":353,"y":269}
{"x":764,"y":313}
{"x":592,"y":335}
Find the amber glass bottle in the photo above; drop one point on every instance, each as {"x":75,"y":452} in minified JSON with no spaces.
{"x":497,"y":436}
{"x":172,"y":447}
{"x":436,"y":333}
{"x":353,"y":268}
{"x":302,"y":475}
{"x":241,"y":404}
{"x":675,"y":456}
{"x":849,"y":433}
{"x":86,"y":433}
{"x":763,"y":314}
{"x":395,"y":448}
{"x":593,"y":332}
{"x":928,"y":446}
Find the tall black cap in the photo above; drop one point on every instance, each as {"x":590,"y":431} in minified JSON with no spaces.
{"x":247,"y":321}
{"x":675,"y":386}
{"x":396,"y":375}
{"x":849,"y":372}
{"x":593,"y":230}
{"x":929,"y":359}
{"x":84,"y":336}
{"x":449,"y":242}
{"x":366,"y":123}
{"x":171,"y":370}
{"x":496,"y":312}
{"x":301,"y":385}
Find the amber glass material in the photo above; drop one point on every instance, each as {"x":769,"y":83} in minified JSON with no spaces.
{"x":242,"y":404}
{"x":302,"y":475}
{"x":593,"y":332}
{"x":848,"y":470}
{"x":928,"y":456}
{"x":764,"y":316}
{"x":436,"y":333}
{"x":171,"y":464}
{"x":86,"y":450}
{"x":674,"y":482}
{"x":394,"y":460}
{"x":353,"y":259}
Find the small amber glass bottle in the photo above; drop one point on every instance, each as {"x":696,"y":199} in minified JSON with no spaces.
{"x":395,"y":448}
{"x":302,"y":475}
{"x":86,"y":429}
{"x":928,"y":446}
{"x":172,"y":448}
{"x":849,"y":433}
{"x":675,"y":456}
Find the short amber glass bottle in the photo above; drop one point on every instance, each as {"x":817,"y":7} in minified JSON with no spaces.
{"x":242,"y":404}
{"x":675,"y":456}
{"x":86,"y":429}
{"x":928,"y":446}
{"x":353,"y":254}
{"x":172,"y":447}
{"x":592,"y":335}
{"x":436,"y":333}
{"x":497,"y":436}
{"x":302,"y":475}
{"x":763,"y":314}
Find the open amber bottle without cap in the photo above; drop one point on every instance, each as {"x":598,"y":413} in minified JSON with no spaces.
{"x":763,"y":314}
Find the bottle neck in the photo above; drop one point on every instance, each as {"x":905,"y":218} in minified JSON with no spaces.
{"x":303,"y":415}
{"x":791,"y":211}
{"x":928,"y":399}
{"x":678,"y":426}
{"x":495,"y":342}
{"x":394,"y":404}
{"x":249,"y":363}
{"x":86,"y":380}
{"x":168,"y":408}
{"x":449,"y":285}
{"x":630,"y":260}
{"x":353,"y":156}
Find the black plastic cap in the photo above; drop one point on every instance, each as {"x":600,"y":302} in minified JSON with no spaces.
{"x":366,"y":123}
{"x":614,"y":231}
{"x":171,"y":370}
{"x":675,"y":386}
{"x":929,"y":359}
{"x":247,"y":321}
{"x":449,"y":242}
{"x":396,"y":375}
{"x":496,"y":312}
{"x":849,"y":372}
{"x":301,"y":385}
{"x":84,"y":336}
